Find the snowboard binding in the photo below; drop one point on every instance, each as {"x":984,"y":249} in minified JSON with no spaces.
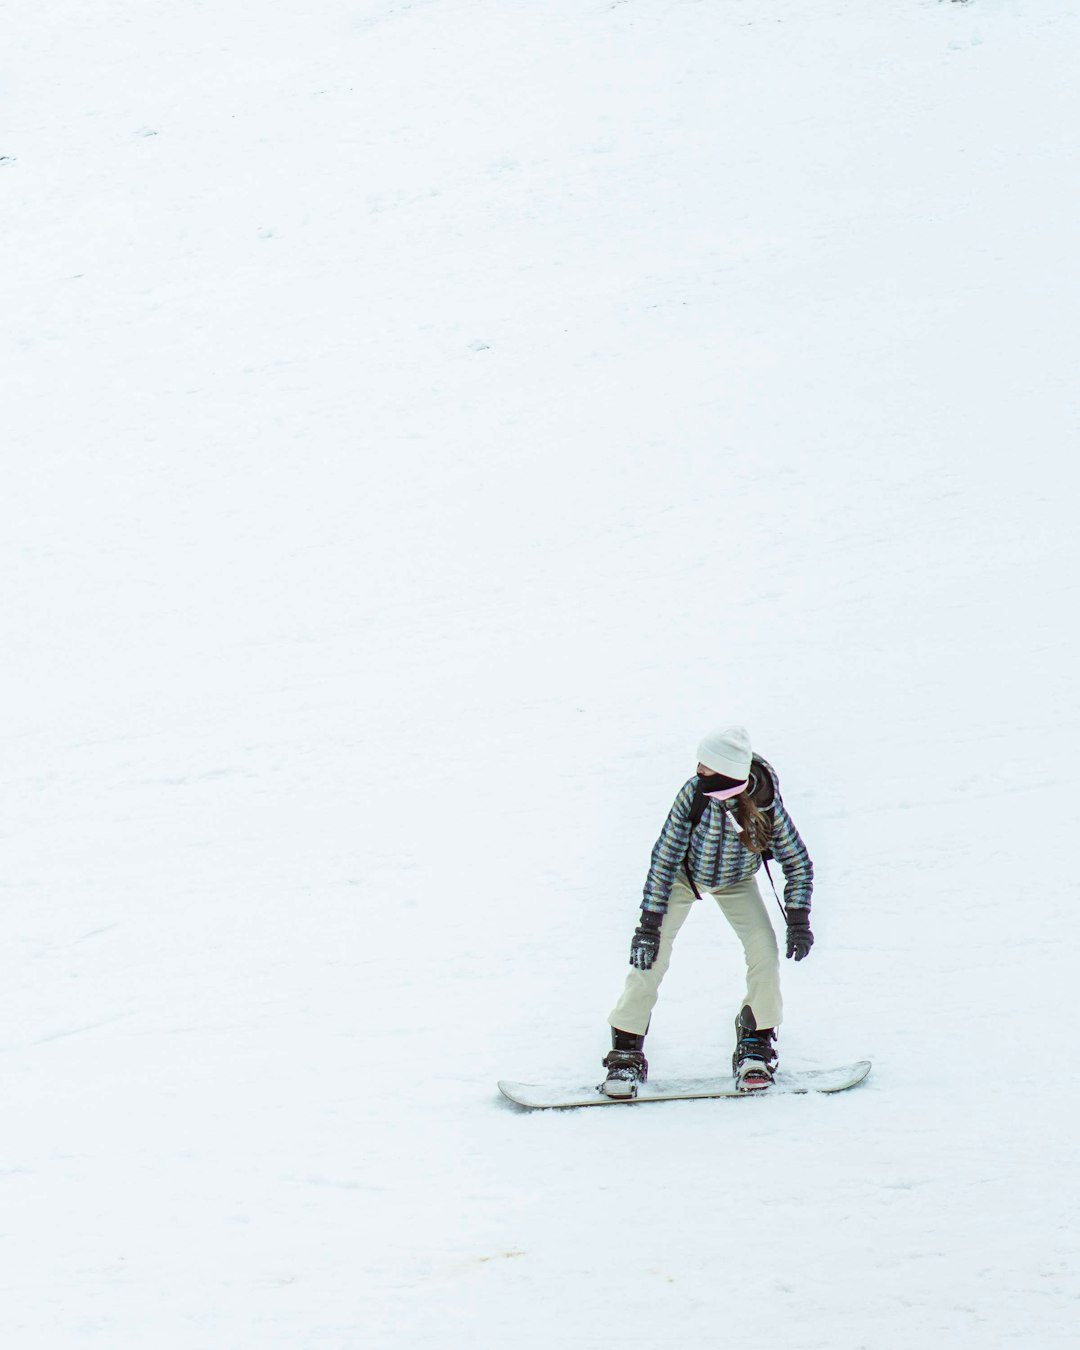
{"x":755,"y":1059}
{"x":626,"y":1065}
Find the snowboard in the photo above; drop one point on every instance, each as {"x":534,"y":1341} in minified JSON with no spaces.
{"x":542,"y":1097}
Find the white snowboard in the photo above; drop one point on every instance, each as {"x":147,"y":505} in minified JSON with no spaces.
{"x":547,"y":1096}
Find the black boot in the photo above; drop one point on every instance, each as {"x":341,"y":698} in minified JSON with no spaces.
{"x":626,"y":1064}
{"x":754,"y":1061}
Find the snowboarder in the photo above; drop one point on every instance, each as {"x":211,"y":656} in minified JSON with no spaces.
{"x":725,"y":821}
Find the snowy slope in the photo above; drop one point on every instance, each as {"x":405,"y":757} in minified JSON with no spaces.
{"x":420,"y":422}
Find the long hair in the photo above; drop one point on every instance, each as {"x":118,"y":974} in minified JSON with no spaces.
{"x":756,"y":826}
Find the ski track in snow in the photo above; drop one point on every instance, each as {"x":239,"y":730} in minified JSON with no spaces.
{"x":420,"y":421}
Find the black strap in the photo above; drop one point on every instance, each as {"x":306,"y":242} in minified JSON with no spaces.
{"x":766,"y":855}
{"x":697,"y":810}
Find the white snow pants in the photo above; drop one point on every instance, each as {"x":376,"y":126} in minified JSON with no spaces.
{"x":745,"y":910}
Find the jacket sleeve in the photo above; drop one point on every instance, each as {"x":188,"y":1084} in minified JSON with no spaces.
{"x":790,"y":851}
{"x":669,"y":853}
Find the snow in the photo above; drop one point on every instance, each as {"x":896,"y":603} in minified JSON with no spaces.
{"x":421,"y":421}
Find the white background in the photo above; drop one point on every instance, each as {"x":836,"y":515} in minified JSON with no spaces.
{"x":420,"y":422}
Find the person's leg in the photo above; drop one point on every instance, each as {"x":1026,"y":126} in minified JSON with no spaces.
{"x":642,"y":988}
{"x":745,"y":910}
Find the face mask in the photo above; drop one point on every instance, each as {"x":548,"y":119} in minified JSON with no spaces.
{"x":725,"y":789}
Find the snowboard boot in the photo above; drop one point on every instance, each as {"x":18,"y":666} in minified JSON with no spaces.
{"x":626,"y":1065}
{"x":754,"y":1060}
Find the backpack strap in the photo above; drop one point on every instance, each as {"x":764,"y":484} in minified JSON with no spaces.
{"x":768,"y":872}
{"x":697,"y":810}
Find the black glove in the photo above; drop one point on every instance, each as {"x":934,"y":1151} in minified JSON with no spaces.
{"x":799,"y":937}
{"x":646,"y":940}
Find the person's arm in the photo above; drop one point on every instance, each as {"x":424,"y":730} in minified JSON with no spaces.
{"x":788,"y":847}
{"x":669,"y":853}
{"x":790,"y":852}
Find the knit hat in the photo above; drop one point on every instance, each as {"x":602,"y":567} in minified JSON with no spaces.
{"x":727,"y":751}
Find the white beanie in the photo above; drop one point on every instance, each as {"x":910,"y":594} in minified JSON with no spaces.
{"x":727,"y":751}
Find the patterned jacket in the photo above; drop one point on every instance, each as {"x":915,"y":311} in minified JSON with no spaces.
{"x":718,"y":857}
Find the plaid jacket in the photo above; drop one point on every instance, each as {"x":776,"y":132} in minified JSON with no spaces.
{"x":717,"y":855}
